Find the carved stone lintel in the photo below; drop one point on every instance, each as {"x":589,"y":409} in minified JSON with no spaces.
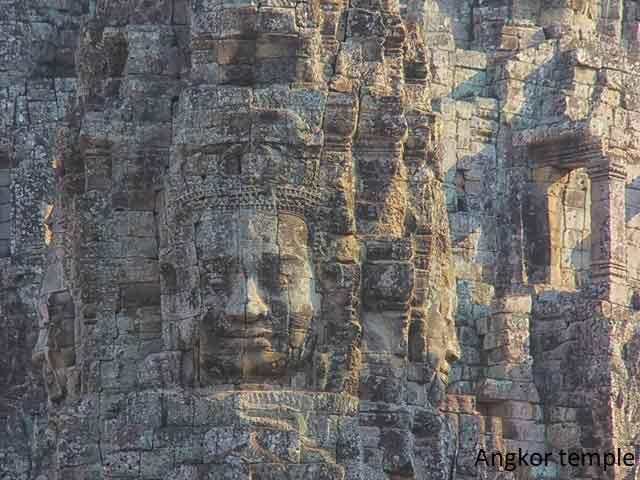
{"x":609,"y":167}
{"x":567,"y":151}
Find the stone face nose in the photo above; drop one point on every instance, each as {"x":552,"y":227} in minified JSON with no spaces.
{"x":453,"y":353}
{"x":256,"y":307}
{"x":246,"y":304}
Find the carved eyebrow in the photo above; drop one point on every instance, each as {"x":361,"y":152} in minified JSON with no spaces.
{"x":292,"y":257}
{"x":219,"y":262}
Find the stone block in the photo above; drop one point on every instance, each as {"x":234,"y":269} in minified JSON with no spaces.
{"x":283,"y":47}
{"x":471,"y":59}
{"x":563,"y":435}
{"x":370,"y":436}
{"x":118,"y":435}
{"x":514,"y":340}
{"x":517,"y":410}
{"x":276,"y":21}
{"x":161,"y":369}
{"x":523,"y":430}
{"x":513,"y":304}
{"x":122,"y":464}
{"x":386,"y":332}
{"x":388,"y":282}
{"x":314,"y":472}
{"x":238,"y":22}
{"x":156,"y":463}
{"x":183,"y":472}
{"x":233,"y":444}
{"x":557,"y":414}
{"x":5,"y":195}
{"x":186,"y":442}
{"x":179,"y":408}
{"x":398,"y":457}
{"x":493,"y":390}
{"x":5,"y":232}
{"x":81,"y":472}
{"x":141,"y":224}
{"x":381,"y":389}
{"x":145,"y":408}
{"x":509,"y":322}
{"x":461,"y":404}
{"x":233,"y":51}
{"x":180,"y":12}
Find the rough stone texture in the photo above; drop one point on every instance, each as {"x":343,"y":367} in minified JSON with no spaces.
{"x":325,"y":240}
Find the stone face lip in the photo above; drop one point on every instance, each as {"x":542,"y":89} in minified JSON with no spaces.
{"x":318,"y":240}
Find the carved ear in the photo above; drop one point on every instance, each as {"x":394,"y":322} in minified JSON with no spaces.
{"x":55,"y":386}
{"x":300,"y":355}
{"x":417,"y":340}
{"x":309,"y":345}
{"x":38,"y":356}
{"x":321,"y":369}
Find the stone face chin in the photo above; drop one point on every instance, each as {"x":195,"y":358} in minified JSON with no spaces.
{"x":318,"y":240}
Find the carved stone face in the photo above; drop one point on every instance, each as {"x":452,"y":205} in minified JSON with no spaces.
{"x":444,"y":350}
{"x":252,"y":261}
{"x":257,"y":289}
{"x":55,"y":348}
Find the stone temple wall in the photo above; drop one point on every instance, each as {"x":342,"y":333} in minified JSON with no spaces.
{"x":291,"y":240}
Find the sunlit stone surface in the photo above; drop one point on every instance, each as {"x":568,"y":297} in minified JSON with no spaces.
{"x":317,"y":240}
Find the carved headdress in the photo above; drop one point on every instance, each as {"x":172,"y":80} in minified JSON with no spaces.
{"x":234,"y":150}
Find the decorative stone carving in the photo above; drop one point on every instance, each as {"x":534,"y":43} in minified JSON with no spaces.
{"x":243,"y":198}
{"x":317,"y":239}
{"x":55,"y":350}
{"x":608,"y":258}
{"x":256,"y":434}
{"x":258,"y":296}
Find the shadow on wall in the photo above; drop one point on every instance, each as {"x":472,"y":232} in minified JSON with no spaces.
{"x":493,"y":221}
{"x":632,"y":199}
{"x":632,"y":220}
{"x":557,"y":226}
{"x":493,"y":188}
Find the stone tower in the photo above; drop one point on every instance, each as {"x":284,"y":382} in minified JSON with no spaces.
{"x":250,"y":270}
{"x":318,"y":239}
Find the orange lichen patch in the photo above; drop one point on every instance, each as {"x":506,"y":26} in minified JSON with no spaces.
{"x":48,"y":221}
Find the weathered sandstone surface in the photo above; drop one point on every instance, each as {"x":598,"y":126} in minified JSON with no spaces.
{"x":318,"y":239}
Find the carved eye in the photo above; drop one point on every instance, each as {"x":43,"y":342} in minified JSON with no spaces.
{"x":232,"y":160}
{"x":268,"y":272}
{"x":216,"y":281}
{"x":278,"y":308}
{"x":284,"y":279}
{"x":216,"y":274}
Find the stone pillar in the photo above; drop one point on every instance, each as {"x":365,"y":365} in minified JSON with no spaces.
{"x":608,"y":260}
{"x":508,"y":398}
